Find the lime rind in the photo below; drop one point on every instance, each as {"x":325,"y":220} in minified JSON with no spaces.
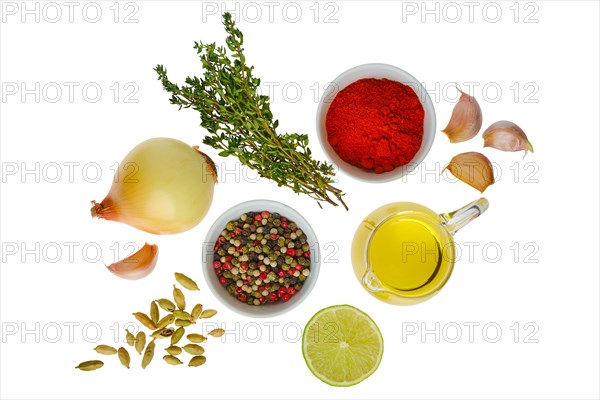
{"x":329,"y":356}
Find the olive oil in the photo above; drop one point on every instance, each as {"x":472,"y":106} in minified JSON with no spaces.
{"x":405,"y":253}
{"x":402,"y":253}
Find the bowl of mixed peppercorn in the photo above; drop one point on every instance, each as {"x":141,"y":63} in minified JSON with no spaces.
{"x":261,"y":258}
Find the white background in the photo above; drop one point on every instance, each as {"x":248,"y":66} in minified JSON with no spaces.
{"x":547,"y":202}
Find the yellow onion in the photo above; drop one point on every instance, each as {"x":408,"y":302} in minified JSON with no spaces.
{"x":164,"y":186}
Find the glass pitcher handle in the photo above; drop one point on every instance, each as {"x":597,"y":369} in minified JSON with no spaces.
{"x":455,"y":220}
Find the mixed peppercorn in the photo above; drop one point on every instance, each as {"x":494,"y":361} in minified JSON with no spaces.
{"x":262,"y":258}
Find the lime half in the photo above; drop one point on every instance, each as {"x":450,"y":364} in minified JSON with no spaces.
{"x":342,"y":345}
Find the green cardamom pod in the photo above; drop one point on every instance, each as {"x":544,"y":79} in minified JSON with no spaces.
{"x":129,"y":337}
{"x":183,"y":322}
{"x":154,"y":313}
{"x":193,"y":349}
{"x":140,"y":342}
{"x":174,"y":350}
{"x":166,"y":321}
{"x":208,"y":313}
{"x":106,"y":350}
{"x":124,"y":357}
{"x":144,"y":320}
{"x":148,"y":354}
{"x":196,"y":312}
{"x":163,"y":333}
{"x":172,"y":360}
{"x":178,"y":335}
{"x":179,"y":298}
{"x":217,"y":332}
{"x":197,"y":361}
{"x":182,"y":315}
{"x":90,"y":365}
{"x":196,"y":338}
{"x":186,"y":282}
{"x":166,"y":305}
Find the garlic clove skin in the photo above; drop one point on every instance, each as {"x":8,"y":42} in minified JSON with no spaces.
{"x":465,"y":121}
{"x":506,"y":136}
{"x":138,"y":265}
{"x":472,"y":168}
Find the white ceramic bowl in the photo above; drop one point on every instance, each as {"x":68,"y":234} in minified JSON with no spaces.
{"x":377,"y":71}
{"x":266,"y":310}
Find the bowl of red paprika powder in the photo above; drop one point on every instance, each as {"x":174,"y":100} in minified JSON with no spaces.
{"x":378,"y":123}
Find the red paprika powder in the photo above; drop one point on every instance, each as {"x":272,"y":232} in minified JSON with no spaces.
{"x":376,"y":124}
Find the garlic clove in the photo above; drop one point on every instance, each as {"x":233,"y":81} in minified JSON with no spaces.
{"x":506,"y":136}
{"x":472,"y":168}
{"x":465,"y":121}
{"x":138,"y":265}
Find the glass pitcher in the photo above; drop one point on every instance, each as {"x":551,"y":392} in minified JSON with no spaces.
{"x":403,"y":253}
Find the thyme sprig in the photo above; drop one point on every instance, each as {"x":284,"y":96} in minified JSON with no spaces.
{"x":240,"y":121}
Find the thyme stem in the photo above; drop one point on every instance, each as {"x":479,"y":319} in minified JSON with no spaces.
{"x":240,"y":122}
